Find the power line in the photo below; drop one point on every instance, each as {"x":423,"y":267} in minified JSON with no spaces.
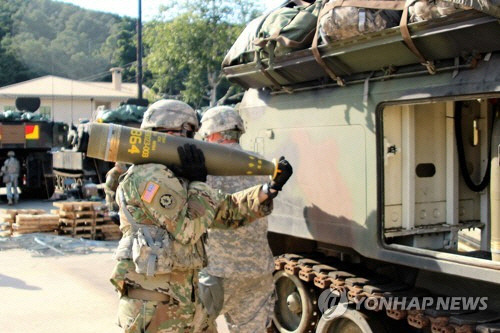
{"x":102,"y":74}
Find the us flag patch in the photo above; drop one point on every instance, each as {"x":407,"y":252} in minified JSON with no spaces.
{"x":150,"y":192}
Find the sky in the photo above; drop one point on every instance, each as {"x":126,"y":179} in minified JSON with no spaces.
{"x":130,"y":7}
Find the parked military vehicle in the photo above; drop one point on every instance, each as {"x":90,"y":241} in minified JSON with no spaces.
{"x":73,"y":169}
{"x":396,"y":185}
{"x":32,"y":138}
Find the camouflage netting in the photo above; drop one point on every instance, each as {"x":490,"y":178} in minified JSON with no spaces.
{"x":22,"y":116}
{"x":123,"y":114}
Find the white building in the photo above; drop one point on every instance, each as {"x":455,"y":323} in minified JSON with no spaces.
{"x":69,"y":100}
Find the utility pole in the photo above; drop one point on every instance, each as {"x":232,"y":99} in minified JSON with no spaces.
{"x":138,"y":75}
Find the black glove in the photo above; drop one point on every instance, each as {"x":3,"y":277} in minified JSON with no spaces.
{"x":285,"y":170}
{"x":192,"y":163}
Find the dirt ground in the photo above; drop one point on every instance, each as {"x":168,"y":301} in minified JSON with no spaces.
{"x":55,"y":293}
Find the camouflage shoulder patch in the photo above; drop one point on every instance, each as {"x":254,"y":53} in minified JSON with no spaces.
{"x":167,"y":201}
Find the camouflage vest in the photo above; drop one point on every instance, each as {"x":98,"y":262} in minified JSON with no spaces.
{"x":148,"y":243}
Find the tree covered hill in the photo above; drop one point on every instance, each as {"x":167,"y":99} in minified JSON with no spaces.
{"x":40,"y":37}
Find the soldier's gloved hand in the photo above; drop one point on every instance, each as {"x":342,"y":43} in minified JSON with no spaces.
{"x":192,"y":163}
{"x":285,"y":170}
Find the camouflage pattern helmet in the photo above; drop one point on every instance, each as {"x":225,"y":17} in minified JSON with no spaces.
{"x":170,"y":114}
{"x":220,"y":119}
{"x":11,"y":154}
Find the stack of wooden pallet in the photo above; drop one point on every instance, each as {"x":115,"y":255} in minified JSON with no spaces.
{"x":85,"y":219}
{"x":26,"y":221}
{"x":7,"y":218}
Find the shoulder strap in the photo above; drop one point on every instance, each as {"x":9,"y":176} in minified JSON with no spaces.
{"x":127,"y":214}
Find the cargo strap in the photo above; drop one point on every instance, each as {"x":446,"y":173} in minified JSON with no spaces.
{"x":147,"y":295}
{"x":260,"y":66}
{"x":285,"y":41}
{"x":403,"y":26}
{"x":371,"y":4}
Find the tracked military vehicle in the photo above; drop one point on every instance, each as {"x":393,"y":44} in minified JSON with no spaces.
{"x":396,"y":185}
{"x":31,"y":137}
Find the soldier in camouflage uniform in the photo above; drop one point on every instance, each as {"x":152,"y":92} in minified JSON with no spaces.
{"x":163,"y":217}
{"x":241,"y":257}
{"x":112,"y":184}
{"x":10,"y":172}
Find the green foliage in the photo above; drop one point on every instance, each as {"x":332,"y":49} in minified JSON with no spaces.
{"x":185,"y":53}
{"x":120,"y":48}
{"x":40,"y":37}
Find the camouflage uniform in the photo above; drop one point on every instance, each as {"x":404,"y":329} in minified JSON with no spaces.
{"x":111,"y":185}
{"x":182,"y":212}
{"x":241,"y":257}
{"x":10,"y":170}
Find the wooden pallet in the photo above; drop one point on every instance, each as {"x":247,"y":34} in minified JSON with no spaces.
{"x":30,"y":223}
{"x":85,"y":228}
{"x":13,"y":212}
{"x":83,"y":221}
{"x":109,"y":231}
{"x":80,"y":214}
{"x":7,"y":218}
{"x":77,"y":218}
{"x":72,"y":206}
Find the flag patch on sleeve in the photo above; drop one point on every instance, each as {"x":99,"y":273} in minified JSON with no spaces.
{"x":150,"y":192}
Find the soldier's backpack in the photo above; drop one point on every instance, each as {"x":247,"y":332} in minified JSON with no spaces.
{"x":423,"y":10}
{"x":350,"y":26}
{"x":243,"y":50}
{"x":355,"y":18}
{"x":288,"y":28}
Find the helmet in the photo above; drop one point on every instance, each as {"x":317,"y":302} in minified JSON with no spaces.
{"x":11,"y":154}
{"x":220,"y":119}
{"x":170,"y":114}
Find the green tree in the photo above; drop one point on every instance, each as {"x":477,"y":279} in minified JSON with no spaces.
{"x":40,"y":37}
{"x":120,"y":48}
{"x":185,"y":52}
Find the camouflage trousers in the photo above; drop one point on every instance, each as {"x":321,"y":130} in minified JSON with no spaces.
{"x":248,"y":303}
{"x":138,"y":316}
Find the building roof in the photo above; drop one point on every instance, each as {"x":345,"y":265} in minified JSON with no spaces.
{"x":59,"y":87}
